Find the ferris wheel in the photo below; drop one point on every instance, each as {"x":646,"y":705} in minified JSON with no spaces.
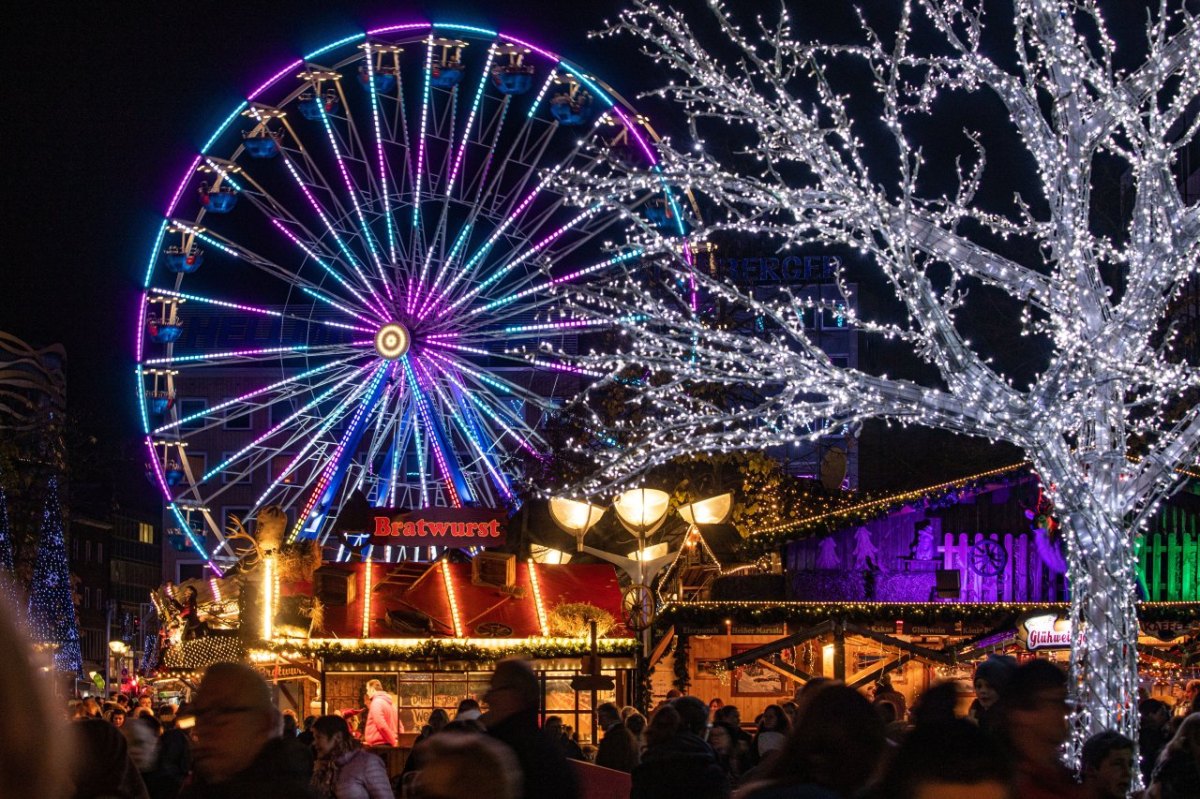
{"x":359,"y":287}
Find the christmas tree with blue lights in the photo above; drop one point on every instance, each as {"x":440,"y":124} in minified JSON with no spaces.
{"x":8,"y":578}
{"x":51,"y":607}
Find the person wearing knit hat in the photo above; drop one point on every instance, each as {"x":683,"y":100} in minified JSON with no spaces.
{"x":990,"y":678}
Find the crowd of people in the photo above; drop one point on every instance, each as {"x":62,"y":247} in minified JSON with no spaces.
{"x":830,"y":741}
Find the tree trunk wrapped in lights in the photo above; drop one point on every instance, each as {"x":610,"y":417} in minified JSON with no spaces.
{"x":840,"y":162}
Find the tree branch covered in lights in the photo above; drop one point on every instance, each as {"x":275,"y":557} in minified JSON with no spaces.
{"x":847,"y":161}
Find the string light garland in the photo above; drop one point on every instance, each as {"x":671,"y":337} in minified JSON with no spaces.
{"x":817,"y":170}
{"x":200,"y":653}
{"x":440,"y":649}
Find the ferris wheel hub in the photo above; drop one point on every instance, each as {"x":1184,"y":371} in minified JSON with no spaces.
{"x":392,"y":341}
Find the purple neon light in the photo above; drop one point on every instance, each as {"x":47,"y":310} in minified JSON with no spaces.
{"x":329,"y":226}
{"x":636,"y":135}
{"x":587,"y":270}
{"x":423,"y":408}
{"x":421,"y":142}
{"x":331,"y":466}
{"x":499,"y":479}
{"x":299,"y":62}
{"x":187,"y":176}
{"x":353,"y":192}
{"x":331,"y":272}
{"x":534,"y":48}
{"x":520,"y":259}
{"x":228,"y":354}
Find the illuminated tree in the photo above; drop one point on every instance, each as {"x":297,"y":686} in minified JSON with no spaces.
{"x":842,"y":148}
{"x":51,"y":607}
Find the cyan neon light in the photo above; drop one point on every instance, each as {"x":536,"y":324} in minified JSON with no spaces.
{"x":520,"y":259}
{"x":497,"y":233}
{"x":462,"y":148}
{"x":534,"y":48}
{"x":191,"y":535}
{"x":482,"y":377}
{"x":154,"y":252}
{"x":491,"y":414}
{"x":335,"y":470}
{"x":291,"y":417}
{"x":387,"y":207}
{"x":329,"y":270}
{"x":322,"y":51}
{"x":353,"y":192}
{"x":141,"y":390}
{"x":421,"y":145}
{"x":587,"y":270}
{"x":537,"y":100}
{"x":251,"y":394}
{"x":408,"y":26}
{"x":469,"y":28}
{"x":350,"y":259}
{"x":586,"y":81}
{"x":331,"y":302}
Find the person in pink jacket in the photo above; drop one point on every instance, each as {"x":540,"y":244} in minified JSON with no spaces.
{"x":343,"y":769}
{"x":383,"y":723}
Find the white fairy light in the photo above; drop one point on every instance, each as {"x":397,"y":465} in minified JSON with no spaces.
{"x":1110,"y":373}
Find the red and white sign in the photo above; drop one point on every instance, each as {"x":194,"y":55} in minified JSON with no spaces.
{"x":450,"y":527}
{"x":1045,"y":631}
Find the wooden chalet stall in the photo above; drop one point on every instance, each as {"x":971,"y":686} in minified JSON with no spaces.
{"x":431,"y":633}
{"x":919,"y":587}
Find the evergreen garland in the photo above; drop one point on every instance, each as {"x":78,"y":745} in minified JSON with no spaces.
{"x":707,"y":614}
{"x":439,"y":649}
{"x":683,"y":679}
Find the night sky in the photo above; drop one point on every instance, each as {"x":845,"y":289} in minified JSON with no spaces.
{"x":109,"y":103}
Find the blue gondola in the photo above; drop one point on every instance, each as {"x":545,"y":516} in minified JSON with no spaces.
{"x":220,"y":201}
{"x":385,"y":80}
{"x":262,"y":146}
{"x":185,"y":262}
{"x":173,"y":474}
{"x":311,"y":106}
{"x":446,"y":77}
{"x":572,"y":112}
{"x":165,"y":332}
{"x":513,"y":80}
{"x":160,"y":403}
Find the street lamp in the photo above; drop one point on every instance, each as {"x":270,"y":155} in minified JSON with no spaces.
{"x":642,"y":512}
{"x":575,"y":517}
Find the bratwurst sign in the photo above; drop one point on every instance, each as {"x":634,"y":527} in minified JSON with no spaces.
{"x":444,"y":527}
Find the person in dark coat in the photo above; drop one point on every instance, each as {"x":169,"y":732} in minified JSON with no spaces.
{"x":677,"y":763}
{"x":1177,"y":774}
{"x":511,"y":718}
{"x":102,"y":766}
{"x":239,"y":753}
{"x":618,"y":748}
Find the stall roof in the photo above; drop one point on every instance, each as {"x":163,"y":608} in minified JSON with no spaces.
{"x":445,"y":602}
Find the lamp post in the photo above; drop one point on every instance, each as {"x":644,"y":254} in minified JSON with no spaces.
{"x":642,"y":512}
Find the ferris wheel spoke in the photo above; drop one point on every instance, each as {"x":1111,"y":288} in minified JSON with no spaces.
{"x":300,"y":380}
{"x":384,"y":193}
{"x":470,"y":434}
{"x":438,"y":441}
{"x":251,"y":309}
{"x":257,"y":354}
{"x":288,"y":420}
{"x":353,"y":192}
{"x":514,"y":427}
{"x":263,"y":264}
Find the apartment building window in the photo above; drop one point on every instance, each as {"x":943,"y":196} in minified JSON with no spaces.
{"x":145,"y":533}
